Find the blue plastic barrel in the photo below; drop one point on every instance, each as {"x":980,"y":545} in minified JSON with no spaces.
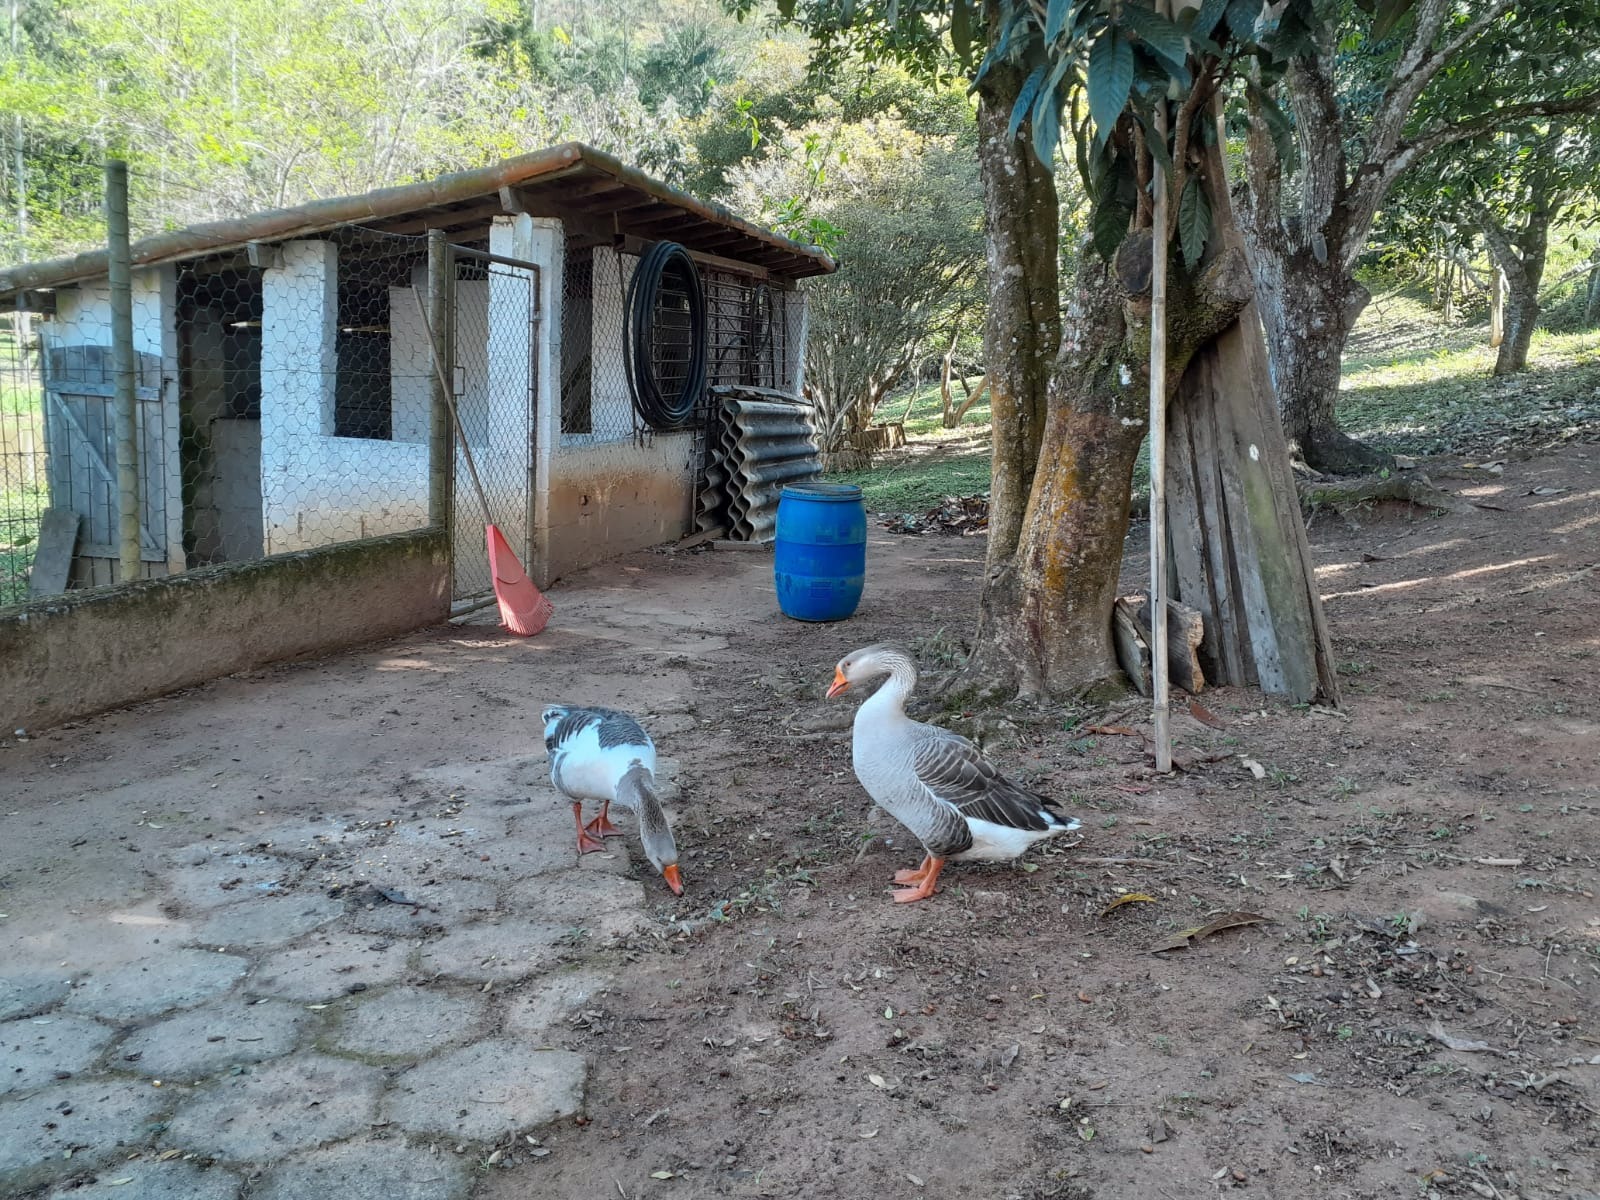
{"x":819,"y":559}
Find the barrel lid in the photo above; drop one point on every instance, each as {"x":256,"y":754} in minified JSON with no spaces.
{"x":834,"y":493}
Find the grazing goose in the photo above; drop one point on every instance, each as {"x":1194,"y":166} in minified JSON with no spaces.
{"x":600,"y":754}
{"x":934,"y":782}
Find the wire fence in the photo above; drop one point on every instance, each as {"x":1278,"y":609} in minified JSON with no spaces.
{"x":284,"y":399}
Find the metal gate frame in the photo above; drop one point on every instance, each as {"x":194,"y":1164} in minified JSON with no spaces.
{"x":504,"y":442}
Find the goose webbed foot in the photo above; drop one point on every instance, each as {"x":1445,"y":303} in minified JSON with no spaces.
{"x":925,"y":887}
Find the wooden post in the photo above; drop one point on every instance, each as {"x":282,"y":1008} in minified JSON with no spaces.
{"x":440,"y":449}
{"x":1159,"y":672}
{"x":1158,"y":458}
{"x":1497,"y":304}
{"x":120,"y":269}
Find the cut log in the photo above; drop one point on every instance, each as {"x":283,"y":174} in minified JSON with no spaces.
{"x":52,"y":558}
{"x":1133,"y":646}
{"x":1340,"y":494}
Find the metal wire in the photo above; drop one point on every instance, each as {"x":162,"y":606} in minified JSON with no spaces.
{"x":665,"y":337}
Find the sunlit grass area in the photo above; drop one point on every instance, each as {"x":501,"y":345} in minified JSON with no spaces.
{"x":1413,"y":384}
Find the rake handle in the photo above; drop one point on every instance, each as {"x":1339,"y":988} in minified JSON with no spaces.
{"x":450,"y":400}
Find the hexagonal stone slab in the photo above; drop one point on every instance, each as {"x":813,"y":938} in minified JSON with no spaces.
{"x":266,"y":922}
{"x":410,"y":1023}
{"x":174,"y":979}
{"x":270,"y":1112}
{"x":488,"y":1090}
{"x":548,"y":1002}
{"x":478,"y":850}
{"x":602,"y":903}
{"x":440,"y":902}
{"x":499,"y":952}
{"x":207,"y":1040}
{"x":329,"y":965}
{"x":34,"y":1049}
{"x":206,"y":880}
{"x":365,"y":1171}
{"x":155,"y":1181}
{"x":30,"y":992}
{"x":97,"y":1120}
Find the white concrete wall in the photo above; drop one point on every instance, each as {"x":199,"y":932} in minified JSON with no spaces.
{"x":410,"y":366}
{"x":317,"y":488}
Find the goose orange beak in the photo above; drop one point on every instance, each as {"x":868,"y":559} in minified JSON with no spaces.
{"x":674,"y":880}
{"x":840,"y":684}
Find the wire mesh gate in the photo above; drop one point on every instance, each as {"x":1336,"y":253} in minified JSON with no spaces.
{"x":496,"y":337}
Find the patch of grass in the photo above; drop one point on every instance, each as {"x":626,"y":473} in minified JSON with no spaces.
{"x":916,"y":482}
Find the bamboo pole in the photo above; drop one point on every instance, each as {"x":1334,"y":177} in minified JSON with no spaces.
{"x":120,"y":264}
{"x":1158,"y":460}
{"x":441,"y":459}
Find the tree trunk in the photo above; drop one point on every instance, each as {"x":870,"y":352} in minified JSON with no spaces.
{"x":1023,"y":331}
{"x":1045,"y":626}
{"x":1520,"y":257}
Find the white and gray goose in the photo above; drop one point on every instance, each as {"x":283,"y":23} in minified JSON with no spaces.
{"x":606,"y":756}
{"x":934,"y":782}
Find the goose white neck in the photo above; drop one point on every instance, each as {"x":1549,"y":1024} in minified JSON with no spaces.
{"x":893,"y":693}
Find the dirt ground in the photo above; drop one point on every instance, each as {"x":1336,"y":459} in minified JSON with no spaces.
{"x":1415,"y":1015}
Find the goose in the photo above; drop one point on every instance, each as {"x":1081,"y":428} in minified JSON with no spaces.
{"x":604,"y":755}
{"x":934,"y":782}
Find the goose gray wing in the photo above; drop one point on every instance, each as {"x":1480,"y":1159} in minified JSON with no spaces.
{"x":955,"y":771}
{"x":612,"y":728}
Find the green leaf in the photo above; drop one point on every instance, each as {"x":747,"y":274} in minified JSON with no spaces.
{"x":1194,"y":221}
{"x":1206,"y":19}
{"x":1156,"y":145}
{"x":1388,"y":15}
{"x":1110,"y":81}
{"x":1242,"y":18}
{"x":786,"y":9}
{"x":1055,"y":18}
{"x":960,"y":29}
{"x":1108,"y":225}
{"x":1161,"y":38}
{"x":1047,"y":126}
{"x":1024,"y":104}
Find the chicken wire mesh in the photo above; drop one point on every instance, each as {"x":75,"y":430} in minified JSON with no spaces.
{"x":496,"y":335}
{"x":282,"y":403}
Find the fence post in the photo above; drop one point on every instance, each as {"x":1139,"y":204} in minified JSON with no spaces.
{"x":120,"y":269}
{"x":440,"y":451}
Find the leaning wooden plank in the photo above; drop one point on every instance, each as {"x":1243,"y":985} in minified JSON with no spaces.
{"x":52,"y":558}
{"x":1133,"y":650}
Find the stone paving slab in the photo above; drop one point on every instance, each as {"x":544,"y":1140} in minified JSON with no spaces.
{"x":368,"y":1171}
{"x":487,"y":1091}
{"x":487,"y":952}
{"x":330,"y":965}
{"x":498,"y":860}
{"x":409,"y":1023}
{"x":28,"y":992}
{"x":35,"y":1051}
{"x":98,"y":1120}
{"x":157,"y":1181}
{"x":176,"y":979}
{"x":266,"y":922}
{"x":204,"y":879}
{"x":439,"y":903}
{"x":274,"y":1110}
{"x":209,"y":1039}
{"x":544,"y":1004}
{"x":599,"y":902}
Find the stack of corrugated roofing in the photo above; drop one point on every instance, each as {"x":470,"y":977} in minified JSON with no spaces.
{"x":759,"y":440}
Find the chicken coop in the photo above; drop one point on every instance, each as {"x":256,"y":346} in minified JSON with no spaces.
{"x":626,"y":361}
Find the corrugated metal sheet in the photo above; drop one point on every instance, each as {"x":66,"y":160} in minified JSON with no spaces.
{"x":760,"y":440}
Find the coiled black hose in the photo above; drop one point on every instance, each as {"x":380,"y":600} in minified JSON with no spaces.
{"x":643,"y":338}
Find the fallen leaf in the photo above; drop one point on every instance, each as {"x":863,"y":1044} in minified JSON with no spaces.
{"x":1499,"y":862}
{"x":1160,"y":1131}
{"x":1307,"y":1077}
{"x":1116,"y":730}
{"x":1085,"y":998}
{"x":1130,"y":898}
{"x":119,"y":1182}
{"x":913,"y":1179}
{"x":541,"y":1152}
{"x":1185,"y":938}
{"x":880,"y":1081}
{"x":867,"y":1133}
{"x":1009,"y":1054}
{"x":662,"y":1175}
{"x":1450,"y":1042}
{"x":1546,"y":491}
{"x":1254,"y":767}
{"x":1205,"y":716}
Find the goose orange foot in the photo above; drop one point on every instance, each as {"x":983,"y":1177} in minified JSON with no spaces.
{"x":586,"y":844}
{"x":914,"y":874}
{"x":925,"y":887}
{"x":601,"y":826}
